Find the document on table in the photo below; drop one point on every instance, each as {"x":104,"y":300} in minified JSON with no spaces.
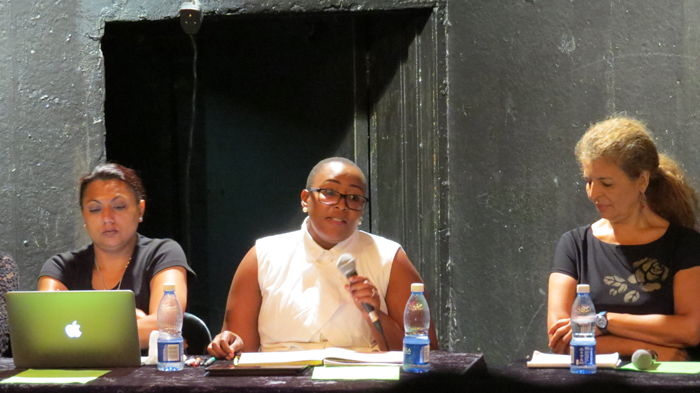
{"x":316,"y":357}
{"x":539,"y":359}
{"x":55,"y":376}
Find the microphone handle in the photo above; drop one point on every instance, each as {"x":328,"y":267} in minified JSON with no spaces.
{"x":368,"y":307}
{"x":372,"y":315}
{"x":376,"y":322}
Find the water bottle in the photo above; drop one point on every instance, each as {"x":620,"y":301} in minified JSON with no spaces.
{"x":170,"y":342}
{"x":416,"y":322}
{"x":583,"y":332}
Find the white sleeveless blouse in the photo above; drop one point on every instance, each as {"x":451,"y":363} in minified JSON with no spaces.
{"x":304,"y":301}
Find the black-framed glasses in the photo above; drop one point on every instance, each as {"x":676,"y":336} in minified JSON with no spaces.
{"x":328,"y":196}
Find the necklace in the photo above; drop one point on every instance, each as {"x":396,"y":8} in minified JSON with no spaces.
{"x":103,"y":281}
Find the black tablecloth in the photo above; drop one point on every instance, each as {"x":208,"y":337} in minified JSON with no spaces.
{"x":518,"y":376}
{"x":149,"y":379}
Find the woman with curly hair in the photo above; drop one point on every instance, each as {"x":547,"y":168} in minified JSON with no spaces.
{"x":641,"y":259}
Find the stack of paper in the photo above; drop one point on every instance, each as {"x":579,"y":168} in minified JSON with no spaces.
{"x":540,"y":359}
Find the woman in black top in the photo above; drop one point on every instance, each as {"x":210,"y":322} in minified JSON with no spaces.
{"x":641,"y":259}
{"x":112,"y":202}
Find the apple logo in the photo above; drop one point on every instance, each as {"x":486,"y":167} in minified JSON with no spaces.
{"x":73,"y":330}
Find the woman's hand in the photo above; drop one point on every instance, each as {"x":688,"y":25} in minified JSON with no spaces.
{"x":560,"y":335}
{"x":140,"y":314}
{"x":668,"y":354}
{"x":225,"y":345}
{"x":562,"y":291}
{"x":363,"y":291}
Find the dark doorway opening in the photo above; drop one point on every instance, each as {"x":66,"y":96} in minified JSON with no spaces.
{"x":275,"y":95}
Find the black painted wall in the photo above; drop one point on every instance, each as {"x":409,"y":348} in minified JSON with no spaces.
{"x":525,"y":79}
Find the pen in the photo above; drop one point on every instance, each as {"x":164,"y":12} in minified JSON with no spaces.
{"x":209,"y":361}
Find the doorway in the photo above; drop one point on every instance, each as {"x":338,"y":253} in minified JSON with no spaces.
{"x":276,"y":94}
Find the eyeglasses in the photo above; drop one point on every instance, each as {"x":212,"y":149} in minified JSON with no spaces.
{"x":333,"y":197}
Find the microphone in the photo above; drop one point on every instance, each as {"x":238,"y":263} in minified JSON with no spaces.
{"x":643,"y":359}
{"x":346,"y":265}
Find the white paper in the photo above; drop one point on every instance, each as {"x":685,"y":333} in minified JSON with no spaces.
{"x":316,"y":356}
{"x":539,"y":359}
{"x":152,"y":358}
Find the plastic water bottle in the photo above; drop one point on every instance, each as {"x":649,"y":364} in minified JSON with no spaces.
{"x":416,"y":322}
{"x":170,"y":342}
{"x":583,"y":332}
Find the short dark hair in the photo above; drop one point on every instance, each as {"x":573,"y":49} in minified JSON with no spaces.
{"x":322,"y":163}
{"x":111,"y":171}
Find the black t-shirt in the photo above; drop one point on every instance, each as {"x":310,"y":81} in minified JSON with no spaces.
{"x":74,"y":268}
{"x":629,"y":279}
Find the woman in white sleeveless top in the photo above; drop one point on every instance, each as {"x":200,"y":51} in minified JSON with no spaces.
{"x":288,"y":294}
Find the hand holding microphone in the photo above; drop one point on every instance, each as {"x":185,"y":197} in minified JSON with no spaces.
{"x":364,"y":294}
{"x":346,"y":264}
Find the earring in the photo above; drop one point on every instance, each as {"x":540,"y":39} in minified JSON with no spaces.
{"x":305,"y":209}
{"x":84,"y":225}
{"x":642,"y":198}
{"x":140,"y":219}
{"x":359,"y":222}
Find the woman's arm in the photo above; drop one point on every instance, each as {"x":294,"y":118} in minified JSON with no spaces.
{"x":682,"y":329}
{"x":148,"y":322}
{"x":242,"y":309}
{"x":402,"y":275}
{"x":562,"y":293}
{"x":47,"y":283}
{"x":627,"y":347}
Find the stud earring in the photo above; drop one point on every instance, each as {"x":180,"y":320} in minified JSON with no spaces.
{"x":305,"y":209}
{"x":84,"y":225}
{"x":140,"y":219}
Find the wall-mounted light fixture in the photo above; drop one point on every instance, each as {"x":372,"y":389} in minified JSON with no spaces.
{"x":191,"y":16}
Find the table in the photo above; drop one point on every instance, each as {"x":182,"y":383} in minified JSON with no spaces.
{"x":518,"y":376}
{"x":149,"y":379}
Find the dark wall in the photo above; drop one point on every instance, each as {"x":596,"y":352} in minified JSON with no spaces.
{"x":279,"y":98}
{"x":51,"y":127}
{"x":525,"y":79}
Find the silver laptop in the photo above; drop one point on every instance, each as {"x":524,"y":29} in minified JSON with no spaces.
{"x":73,"y":329}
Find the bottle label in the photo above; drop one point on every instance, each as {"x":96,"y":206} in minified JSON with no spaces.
{"x":170,"y":351}
{"x":582,"y":354}
{"x":416,"y":353}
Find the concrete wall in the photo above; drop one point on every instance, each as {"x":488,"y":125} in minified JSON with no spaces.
{"x":526,"y":78}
